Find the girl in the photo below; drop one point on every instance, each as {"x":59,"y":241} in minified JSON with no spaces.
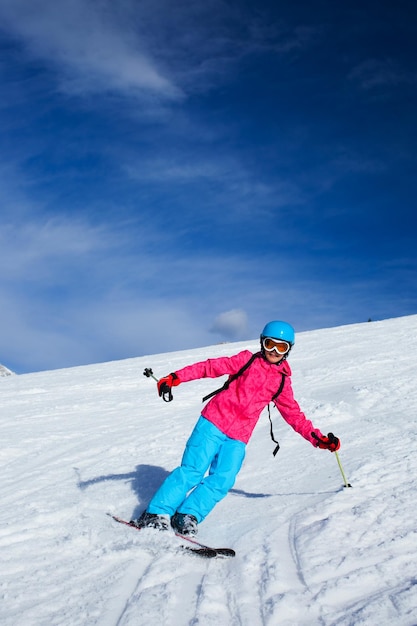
{"x":218,"y":441}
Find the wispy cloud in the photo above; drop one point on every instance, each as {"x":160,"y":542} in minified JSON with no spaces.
{"x":33,"y":251}
{"x":228,"y":190}
{"x":377,"y":73}
{"x":93,"y":49}
{"x":146,"y":49}
{"x":74,"y":293}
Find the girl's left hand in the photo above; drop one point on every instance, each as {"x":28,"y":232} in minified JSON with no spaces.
{"x":330,"y":442}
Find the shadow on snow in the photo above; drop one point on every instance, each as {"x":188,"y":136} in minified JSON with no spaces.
{"x":144,"y":481}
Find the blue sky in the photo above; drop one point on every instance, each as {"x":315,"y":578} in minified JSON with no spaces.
{"x":176,"y":174}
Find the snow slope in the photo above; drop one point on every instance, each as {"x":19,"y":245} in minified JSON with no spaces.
{"x":78,"y":442}
{"x":4,"y":371}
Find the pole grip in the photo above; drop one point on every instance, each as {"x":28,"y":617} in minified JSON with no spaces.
{"x":149,"y":373}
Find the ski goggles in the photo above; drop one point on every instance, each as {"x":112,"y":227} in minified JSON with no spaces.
{"x":280,"y":346}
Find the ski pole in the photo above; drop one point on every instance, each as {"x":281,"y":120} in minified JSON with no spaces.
{"x":342,"y":472}
{"x":166,"y":394}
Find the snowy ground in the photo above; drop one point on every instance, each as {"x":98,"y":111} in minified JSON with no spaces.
{"x":79,"y":442}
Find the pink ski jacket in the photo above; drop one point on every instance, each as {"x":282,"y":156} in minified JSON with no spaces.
{"x":236,"y":410}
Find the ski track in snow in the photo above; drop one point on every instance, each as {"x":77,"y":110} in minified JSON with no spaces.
{"x":77,"y":443}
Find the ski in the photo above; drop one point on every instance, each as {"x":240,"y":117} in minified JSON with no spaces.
{"x":226,"y":552}
{"x":199,"y":549}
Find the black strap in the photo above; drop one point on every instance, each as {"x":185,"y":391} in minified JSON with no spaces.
{"x":271,"y":430}
{"x":233,"y":377}
{"x":280,"y":388}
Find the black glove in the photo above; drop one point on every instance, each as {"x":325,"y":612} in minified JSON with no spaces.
{"x":165,"y":385}
{"x":330,"y":442}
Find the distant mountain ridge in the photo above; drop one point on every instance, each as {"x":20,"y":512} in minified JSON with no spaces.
{"x":4,"y":371}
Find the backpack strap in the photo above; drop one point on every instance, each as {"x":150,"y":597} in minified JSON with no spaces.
{"x":271,"y":431}
{"x":280,"y":388}
{"x":233,"y":377}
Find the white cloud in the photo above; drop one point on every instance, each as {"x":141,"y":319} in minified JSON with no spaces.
{"x":92,"y":48}
{"x":231,"y":324}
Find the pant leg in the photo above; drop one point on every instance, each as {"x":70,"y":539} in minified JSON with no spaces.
{"x":223,"y":471}
{"x":200,"y":450}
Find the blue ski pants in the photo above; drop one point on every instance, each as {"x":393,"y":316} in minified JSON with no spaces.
{"x":189,"y":488}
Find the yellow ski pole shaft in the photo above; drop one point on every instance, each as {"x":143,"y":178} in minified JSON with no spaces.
{"x":341,"y":471}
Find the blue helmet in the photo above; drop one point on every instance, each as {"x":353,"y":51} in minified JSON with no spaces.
{"x":279,"y":330}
